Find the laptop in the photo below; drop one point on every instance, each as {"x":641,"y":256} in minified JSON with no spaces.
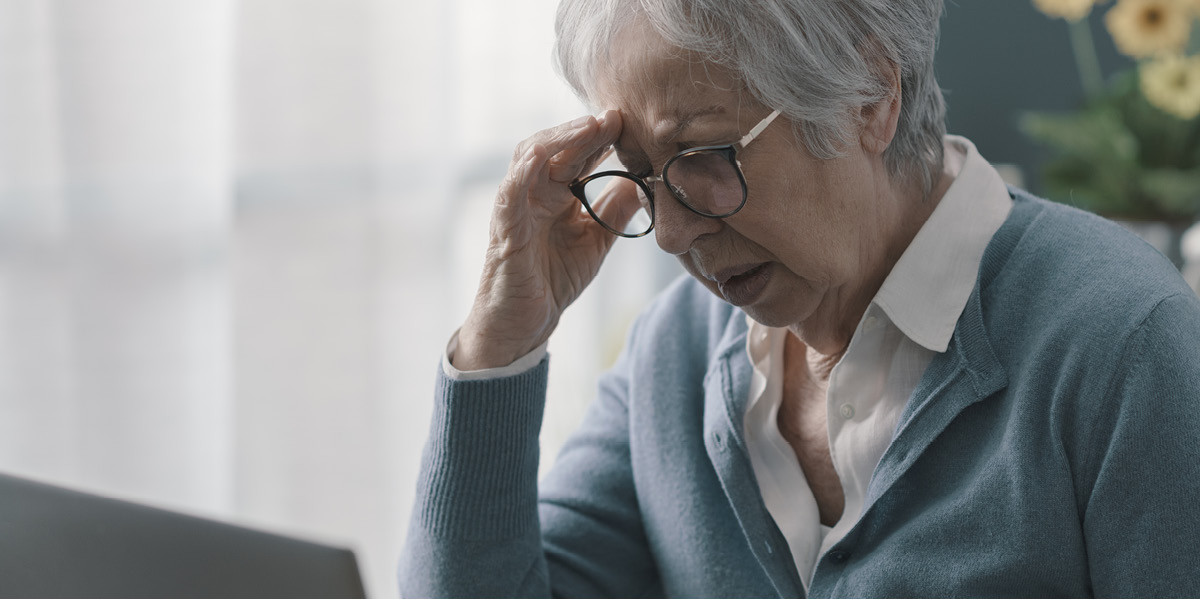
{"x":56,"y":542}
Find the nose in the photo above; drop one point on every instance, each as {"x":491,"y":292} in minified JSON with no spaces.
{"x":675,"y":226}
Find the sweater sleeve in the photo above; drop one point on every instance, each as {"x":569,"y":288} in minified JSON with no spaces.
{"x":592,"y":525}
{"x":1141,"y":523}
{"x":475,"y":529}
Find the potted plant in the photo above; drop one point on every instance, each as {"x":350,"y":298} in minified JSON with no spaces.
{"x":1132,"y":151}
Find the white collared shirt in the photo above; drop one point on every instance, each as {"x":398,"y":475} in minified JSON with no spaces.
{"x":911,"y":319}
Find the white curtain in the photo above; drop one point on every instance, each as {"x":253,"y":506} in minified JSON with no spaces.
{"x":236,"y":235}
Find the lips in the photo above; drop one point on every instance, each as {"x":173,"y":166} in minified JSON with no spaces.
{"x":735,"y":271}
{"x":743,"y":284}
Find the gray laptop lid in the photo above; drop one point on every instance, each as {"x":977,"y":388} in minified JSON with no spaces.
{"x":56,"y":542}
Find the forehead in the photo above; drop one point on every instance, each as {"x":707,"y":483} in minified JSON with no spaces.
{"x":661,"y":89}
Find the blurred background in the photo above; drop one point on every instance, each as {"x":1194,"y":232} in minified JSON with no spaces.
{"x":236,"y":235}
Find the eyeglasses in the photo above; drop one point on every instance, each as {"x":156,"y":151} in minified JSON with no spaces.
{"x":707,"y":180}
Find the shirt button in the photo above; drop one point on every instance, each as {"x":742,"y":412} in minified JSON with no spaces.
{"x":870,"y":323}
{"x":847,"y":411}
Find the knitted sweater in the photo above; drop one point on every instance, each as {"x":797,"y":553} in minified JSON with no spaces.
{"x":1052,"y":450}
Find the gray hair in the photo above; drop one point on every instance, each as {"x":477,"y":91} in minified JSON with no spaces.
{"x":816,"y":61}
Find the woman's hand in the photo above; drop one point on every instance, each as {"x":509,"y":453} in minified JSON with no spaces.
{"x":544,"y":248}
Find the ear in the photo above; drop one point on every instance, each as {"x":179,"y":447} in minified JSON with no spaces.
{"x":879,"y":120}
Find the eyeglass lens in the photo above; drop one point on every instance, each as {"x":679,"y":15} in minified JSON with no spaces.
{"x":706,"y":181}
{"x":616,"y":211}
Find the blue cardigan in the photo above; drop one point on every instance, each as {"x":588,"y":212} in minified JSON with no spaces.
{"x":1052,"y":450}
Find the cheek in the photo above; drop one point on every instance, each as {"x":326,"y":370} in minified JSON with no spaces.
{"x":805,"y":226}
{"x":800,"y":210}
{"x":785,"y":219}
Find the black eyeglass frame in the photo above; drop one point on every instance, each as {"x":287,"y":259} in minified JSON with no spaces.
{"x":727,"y":151}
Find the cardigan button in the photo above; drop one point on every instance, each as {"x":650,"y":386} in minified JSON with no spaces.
{"x":838,"y":556}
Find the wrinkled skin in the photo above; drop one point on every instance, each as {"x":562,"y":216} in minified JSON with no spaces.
{"x":823,"y":233}
{"x":543,"y":248}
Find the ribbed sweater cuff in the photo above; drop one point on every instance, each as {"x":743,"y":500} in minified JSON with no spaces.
{"x":479,"y":471}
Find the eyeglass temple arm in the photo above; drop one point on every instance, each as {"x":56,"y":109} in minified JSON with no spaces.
{"x":757,"y":130}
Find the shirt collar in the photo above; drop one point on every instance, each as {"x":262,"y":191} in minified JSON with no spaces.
{"x":926,"y":291}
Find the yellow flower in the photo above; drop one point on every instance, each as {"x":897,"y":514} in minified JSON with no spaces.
{"x":1144,"y":28}
{"x":1072,"y":10}
{"x":1173,"y":84}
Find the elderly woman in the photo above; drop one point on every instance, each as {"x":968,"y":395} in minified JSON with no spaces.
{"x":888,"y":375}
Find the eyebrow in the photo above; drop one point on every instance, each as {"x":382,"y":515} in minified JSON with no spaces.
{"x":683,"y":120}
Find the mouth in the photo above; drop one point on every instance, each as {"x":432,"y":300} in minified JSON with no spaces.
{"x":743,"y":284}
{"x":729,"y":274}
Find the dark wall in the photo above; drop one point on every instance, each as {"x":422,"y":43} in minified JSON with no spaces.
{"x":998,"y":58}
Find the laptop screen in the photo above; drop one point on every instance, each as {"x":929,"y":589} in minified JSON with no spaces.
{"x":58,"y":542}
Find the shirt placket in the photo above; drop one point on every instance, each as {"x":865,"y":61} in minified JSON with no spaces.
{"x":855,"y":387}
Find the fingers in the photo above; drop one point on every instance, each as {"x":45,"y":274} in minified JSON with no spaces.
{"x":517,"y":182}
{"x":547,"y":160}
{"x":594,"y":160}
{"x":555,"y":139}
{"x":575,"y":160}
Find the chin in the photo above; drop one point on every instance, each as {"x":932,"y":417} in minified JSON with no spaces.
{"x":786,"y":311}
{"x":793,"y":304}
{"x":768,"y":318}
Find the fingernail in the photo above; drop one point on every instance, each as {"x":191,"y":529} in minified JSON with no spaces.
{"x":580,"y":122}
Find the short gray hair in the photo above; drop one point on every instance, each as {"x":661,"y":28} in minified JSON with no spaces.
{"x":816,"y":61}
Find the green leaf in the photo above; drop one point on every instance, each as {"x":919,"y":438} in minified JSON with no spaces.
{"x":1080,"y":183}
{"x":1096,"y":135}
{"x":1120,"y":156}
{"x":1174,"y":192}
